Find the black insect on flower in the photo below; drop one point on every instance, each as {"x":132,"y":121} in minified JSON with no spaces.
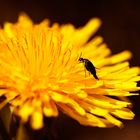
{"x":89,"y":67}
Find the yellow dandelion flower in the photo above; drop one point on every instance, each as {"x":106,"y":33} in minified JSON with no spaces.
{"x":40,"y":73}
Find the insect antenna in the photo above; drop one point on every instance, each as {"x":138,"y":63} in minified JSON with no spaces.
{"x":79,"y":57}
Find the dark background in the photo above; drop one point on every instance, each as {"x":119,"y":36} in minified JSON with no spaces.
{"x":121,"y":31}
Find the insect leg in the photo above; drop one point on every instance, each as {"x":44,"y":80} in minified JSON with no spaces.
{"x":85,"y":72}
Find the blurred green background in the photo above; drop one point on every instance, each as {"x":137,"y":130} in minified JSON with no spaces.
{"x":121,"y":31}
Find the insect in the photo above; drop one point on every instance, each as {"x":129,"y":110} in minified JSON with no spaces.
{"x":89,"y":66}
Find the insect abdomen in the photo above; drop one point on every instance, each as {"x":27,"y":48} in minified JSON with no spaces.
{"x":89,"y":66}
{"x":93,"y":72}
